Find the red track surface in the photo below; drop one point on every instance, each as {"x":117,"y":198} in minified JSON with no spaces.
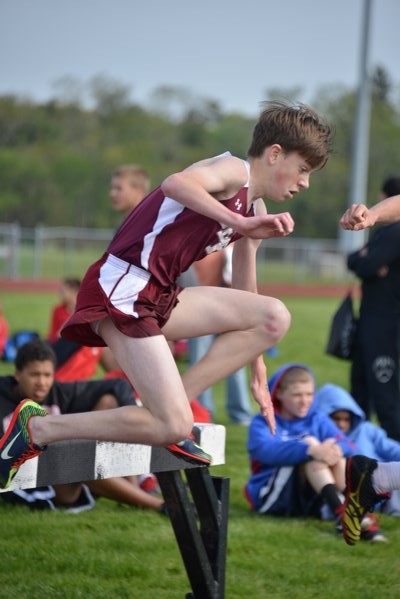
{"x":273,"y":289}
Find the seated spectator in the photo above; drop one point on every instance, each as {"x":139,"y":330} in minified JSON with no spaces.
{"x":302,"y":467}
{"x":62,"y":311}
{"x":74,"y":361}
{"x":34,"y":378}
{"x":368,"y":438}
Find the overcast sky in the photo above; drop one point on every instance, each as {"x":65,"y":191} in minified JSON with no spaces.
{"x":227,"y":50}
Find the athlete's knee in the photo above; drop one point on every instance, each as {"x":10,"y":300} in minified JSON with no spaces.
{"x":178,"y":429}
{"x":276,"y":321}
{"x":314,"y":466}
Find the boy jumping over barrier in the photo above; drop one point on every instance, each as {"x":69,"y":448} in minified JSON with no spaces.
{"x":129,"y":299}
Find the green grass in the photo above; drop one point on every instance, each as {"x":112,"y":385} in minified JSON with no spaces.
{"x":119,"y":552}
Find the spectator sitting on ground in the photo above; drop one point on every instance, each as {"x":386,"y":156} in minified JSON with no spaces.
{"x":302,"y":467}
{"x":368,"y":438}
{"x":34,"y":378}
{"x":74,"y":361}
{"x":60,"y":313}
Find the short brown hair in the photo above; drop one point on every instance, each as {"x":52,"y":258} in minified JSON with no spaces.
{"x":295,"y":127}
{"x":295,"y":374}
{"x":72,"y":283}
{"x":136,"y":175}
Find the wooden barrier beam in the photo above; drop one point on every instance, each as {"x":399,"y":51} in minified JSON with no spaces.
{"x":199,"y":521}
{"x":79,"y":461}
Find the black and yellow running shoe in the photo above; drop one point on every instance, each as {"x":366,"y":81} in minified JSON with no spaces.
{"x":361,"y":496}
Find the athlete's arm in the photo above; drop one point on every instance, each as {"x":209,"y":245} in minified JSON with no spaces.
{"x":201,"y":188}
{"x":244,"y":276}
{"x":358,"y":216}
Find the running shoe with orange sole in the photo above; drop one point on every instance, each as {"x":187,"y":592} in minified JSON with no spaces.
{"x":191,"y":452}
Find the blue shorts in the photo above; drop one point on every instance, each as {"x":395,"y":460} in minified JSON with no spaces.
{"x":288,"y":493}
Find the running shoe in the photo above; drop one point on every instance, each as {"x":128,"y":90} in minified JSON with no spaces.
{"x":149,"y":484}
{"x":360,"y":496}
{"x":16,"y":445}
{"x":190,"y":451}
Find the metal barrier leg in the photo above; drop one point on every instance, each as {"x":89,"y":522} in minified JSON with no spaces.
{"x":202,"y":537}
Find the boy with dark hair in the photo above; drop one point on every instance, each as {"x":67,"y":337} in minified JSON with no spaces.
{"x":34,"y":377}
{"x":130,"y":301}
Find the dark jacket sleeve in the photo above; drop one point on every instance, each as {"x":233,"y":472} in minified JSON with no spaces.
{"x":383,"y":249}
{"x":82,"y":396}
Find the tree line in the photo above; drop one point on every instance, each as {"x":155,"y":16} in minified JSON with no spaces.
{"x":56,"y":158}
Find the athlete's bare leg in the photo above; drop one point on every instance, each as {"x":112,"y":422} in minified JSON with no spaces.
{"x":149,"y":364}
{"x":247,"y":325}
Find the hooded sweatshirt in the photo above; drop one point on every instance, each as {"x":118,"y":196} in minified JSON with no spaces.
{"x":367,"y":438}
{"x":287,"y":447}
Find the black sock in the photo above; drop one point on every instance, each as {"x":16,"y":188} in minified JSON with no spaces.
{"x":330,"y":496}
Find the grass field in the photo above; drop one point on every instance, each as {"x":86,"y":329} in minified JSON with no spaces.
{"x":116,"y":552}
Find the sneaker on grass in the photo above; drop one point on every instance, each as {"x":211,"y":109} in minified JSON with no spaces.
{"x":16,"y":445}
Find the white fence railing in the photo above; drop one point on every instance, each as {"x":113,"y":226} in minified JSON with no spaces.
{"x":55,"y":252}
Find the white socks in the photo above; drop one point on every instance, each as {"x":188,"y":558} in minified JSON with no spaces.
{"x":386,"y":477}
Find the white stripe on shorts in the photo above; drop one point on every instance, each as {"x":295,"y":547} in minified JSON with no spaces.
{"x":122,"y":282}
{"x":273,"y":489}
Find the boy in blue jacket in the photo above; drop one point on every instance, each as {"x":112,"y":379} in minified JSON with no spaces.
{"x":302,"y":466}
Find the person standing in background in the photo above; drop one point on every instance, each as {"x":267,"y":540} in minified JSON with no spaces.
{"x":375,"y":368}
{"x":130,"y":183}
{"x":216,"y":269}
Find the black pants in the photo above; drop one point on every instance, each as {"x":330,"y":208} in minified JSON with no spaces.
{"x":375,"y":370}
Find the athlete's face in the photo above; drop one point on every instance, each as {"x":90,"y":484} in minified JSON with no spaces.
{"x":296,"y":399}
{"x":289,"y":174}
{"x":124,"y":197}
{"x":35,"y":380}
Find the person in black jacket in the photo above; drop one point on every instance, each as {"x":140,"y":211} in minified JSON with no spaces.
{"x":375,"y":372}
{"x":34,"y":378}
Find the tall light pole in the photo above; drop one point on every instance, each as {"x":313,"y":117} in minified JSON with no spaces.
{"x":350,"y":240}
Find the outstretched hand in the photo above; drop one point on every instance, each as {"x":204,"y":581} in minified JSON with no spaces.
{"x":267,"y":225}
{"x":261,"y":394}
{"x":357,"y":217}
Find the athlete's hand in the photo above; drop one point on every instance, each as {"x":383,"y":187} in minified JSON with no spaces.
{"x":261,"y":394}
{"x":266,"y":225}
{"x":357,"y":217}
